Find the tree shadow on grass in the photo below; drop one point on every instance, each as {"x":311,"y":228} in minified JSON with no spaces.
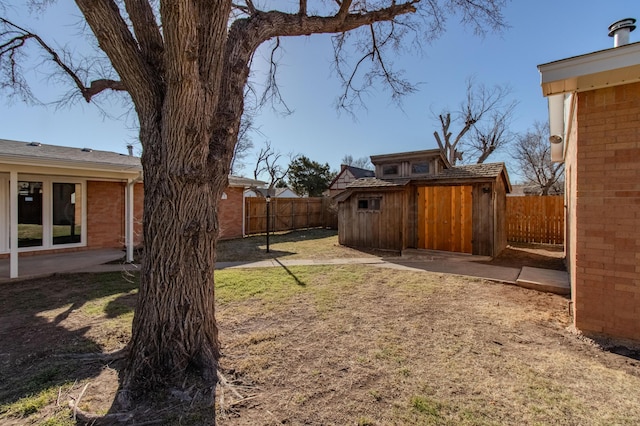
{"x":46,"y":337}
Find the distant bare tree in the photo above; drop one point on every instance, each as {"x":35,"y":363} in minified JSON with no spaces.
{"x":244,"y":144}
{"x":532,"y":151}
{"x":480,"y":102}
{"x":492,"y":134}
{"x":268,"y":162}
{"x":361,"y":163}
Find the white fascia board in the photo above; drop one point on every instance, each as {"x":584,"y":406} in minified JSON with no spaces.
{"x":21,"y":167}
{"x":65,"y":167}
{"x":609,"y":67}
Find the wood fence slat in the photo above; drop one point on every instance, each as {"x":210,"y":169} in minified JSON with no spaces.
{"x":289,"y":214}
{"x":536,"y":219}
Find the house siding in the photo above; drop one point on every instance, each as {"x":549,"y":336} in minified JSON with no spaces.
{"x":604,"y":186}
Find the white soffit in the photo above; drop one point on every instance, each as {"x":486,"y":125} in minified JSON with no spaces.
{"x":609,"y":67}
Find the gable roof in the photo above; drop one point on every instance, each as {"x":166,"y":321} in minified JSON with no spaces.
{"x":357,"y":172}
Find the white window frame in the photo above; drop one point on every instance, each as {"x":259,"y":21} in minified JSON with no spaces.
{"x":4,"y":209}
{"x":47,"y":212}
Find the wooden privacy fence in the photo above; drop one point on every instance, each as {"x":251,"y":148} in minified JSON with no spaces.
{"x":289,"y":213}
{"x":536,"y":219}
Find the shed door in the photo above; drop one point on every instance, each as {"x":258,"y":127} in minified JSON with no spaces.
{"x":445,"y":218}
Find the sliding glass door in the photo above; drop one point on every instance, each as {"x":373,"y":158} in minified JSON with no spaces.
{"x":30,"y":230}
{"x":67,"y":213}
{"x":51,"y":212}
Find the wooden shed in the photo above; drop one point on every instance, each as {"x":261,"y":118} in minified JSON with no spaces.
{"x":460,"y":209}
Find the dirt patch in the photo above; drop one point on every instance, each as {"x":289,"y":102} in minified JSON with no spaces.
{"x":544,"y":256}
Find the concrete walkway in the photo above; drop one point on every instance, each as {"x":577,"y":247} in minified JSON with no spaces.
{"x":432,"y":261}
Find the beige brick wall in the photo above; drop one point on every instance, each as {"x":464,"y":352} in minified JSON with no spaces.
{"x":607,"y":212}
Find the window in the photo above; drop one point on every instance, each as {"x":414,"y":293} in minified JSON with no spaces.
{"x":370,"y":204}
{"x":67,"y":213}
{"x":421,"y":168}
{"x":50,"y":213}
{"x":30,"y":230}
{"x":390,"y":170}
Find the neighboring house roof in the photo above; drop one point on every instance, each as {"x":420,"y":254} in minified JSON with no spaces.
{"x":244,"y":182}
{"x":37,"y":154}
{"x":356,"y":172}
{"x":273,"y":192}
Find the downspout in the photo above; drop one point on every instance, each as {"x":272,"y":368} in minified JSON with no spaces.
{"x":557,"y":134}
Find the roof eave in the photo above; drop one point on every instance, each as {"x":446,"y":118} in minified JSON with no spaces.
{"x":605,"y":68}
{"x":69,"y":164}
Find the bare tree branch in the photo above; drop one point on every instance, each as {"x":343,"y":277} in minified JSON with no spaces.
{"x":532,"y":151}
{"x":15,"y":37}
{"x":268,"y":161}
{"x":271,"y":91}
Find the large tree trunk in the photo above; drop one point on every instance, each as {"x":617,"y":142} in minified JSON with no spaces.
{"x":174,"y":329}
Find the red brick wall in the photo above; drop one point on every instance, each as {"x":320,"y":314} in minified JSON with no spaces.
{"x":607,"y":212}
{"x":230,"y":213}
{"x":105,"y":214}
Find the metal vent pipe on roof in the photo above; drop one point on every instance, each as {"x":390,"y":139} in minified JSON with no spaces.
{"x":130,"y":150}
{"x":620,"y":31}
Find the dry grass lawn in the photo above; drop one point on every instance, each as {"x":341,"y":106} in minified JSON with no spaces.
{"x":320,"y":345}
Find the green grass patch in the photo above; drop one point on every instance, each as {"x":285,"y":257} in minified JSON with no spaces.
{"x":426,"y":406}
{"x":234,"y":285}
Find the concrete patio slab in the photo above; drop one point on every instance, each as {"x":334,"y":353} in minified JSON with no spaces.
{"x":47,"y":264}
{"x":547,"y":280}
{"x":471,"y":269}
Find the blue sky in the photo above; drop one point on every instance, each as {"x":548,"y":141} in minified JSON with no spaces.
{"x":540,"y":32}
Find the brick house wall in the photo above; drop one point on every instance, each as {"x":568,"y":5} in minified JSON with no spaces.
{"x":106,"y":212}
{"x":603,"y":176}
{"x":231,"y":213}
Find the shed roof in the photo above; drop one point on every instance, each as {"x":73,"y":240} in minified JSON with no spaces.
{"x":377,"y":183}
{"x":472,"y":172}
{"x":459,"y":174}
